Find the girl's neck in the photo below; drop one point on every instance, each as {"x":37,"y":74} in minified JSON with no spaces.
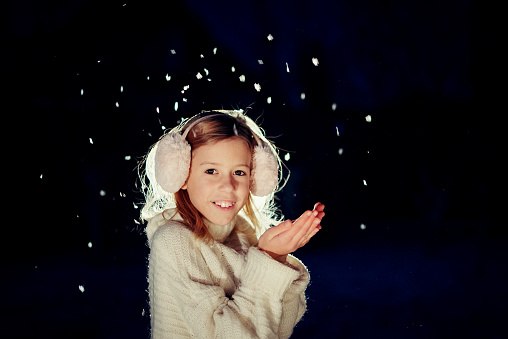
{"x":220,"y":232}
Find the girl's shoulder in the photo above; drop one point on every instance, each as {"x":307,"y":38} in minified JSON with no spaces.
{"x":166,"y":224}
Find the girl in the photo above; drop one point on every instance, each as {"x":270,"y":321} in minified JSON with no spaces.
{"x":214,"y":270}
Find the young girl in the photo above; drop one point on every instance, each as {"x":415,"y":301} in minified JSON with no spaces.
{"x":215,"y":268}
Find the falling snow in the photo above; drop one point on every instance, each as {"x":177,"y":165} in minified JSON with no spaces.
{"x":269,"y":100}
{"x":215,"y":50}
{"x":173,"y":51}
{"x":117,"y":104}
{"x":102,"y":193}
{"x":40,"y":176}
{"x":168,"y":77}
{"x":341,"y":150}
{"x":81,"y":288}
{"x":199,"y":76}
{"x":176,"y":106}
{"x":121,"y":89}
{"x":302,"y":96}
{"x":82,"y":91}
{"x":157,"y":109}
{"x":287,"y":67}
{"x":368,"y":118}
{"x":257,"y":87}
{"x":260,"y":62}
{"x":242,"y":78}
{"x":90,"y":244}
{"x":233,"y":69}
{"x":287,"y":156}
{"x":269,"y":37}
{"x":362,"y":226}
{"x":337,"y":129}
{"x":315,"y":61}
{"x":364,"y":182}
{"x":91,"y":141}
{"x":127,"y":157}
{"x":334,"y":106}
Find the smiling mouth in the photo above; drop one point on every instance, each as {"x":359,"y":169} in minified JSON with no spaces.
{"x":224,"y":204}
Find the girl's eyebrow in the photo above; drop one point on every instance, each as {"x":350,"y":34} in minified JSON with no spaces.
{"x":217,"y":164}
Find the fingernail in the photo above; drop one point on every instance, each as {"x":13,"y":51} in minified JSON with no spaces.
{"x":315,"y":213}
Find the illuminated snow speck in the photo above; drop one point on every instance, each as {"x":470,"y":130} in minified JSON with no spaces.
{"x":260,"y":61}
{"x":337,"y":129}
{"x":173,"y":51}
{"x":242,"y":78}
{"x":364,"y":182}
{"x":176,"y":106}
{"x":117,"y":104}
{"x":215,"y":50}
{"x":81,"y":288}
{"x":233,"y":69}
{"x":127,"y":157}
{"x":82,"y":91}
{"x":148,"y":78}
{"x":302,"y":96}
{"x":157,"y":109}
{"x":186,"y":87}
{"x":269,"y":37}
{"x":368,"y":118}
{"x":201,"y":56}
{"x":287,"y":156}
{"x":206,"y":71}
{"x":269,"y":100}
{"x":40,"y":176}
{"x":102,"y":193}
{"x":362,"y":226}
{"x":121,"y":89}
{"x":341,"y":150}
{"x":184,"y":99}
{"x":334,"y":106}
{"x":315,"y":61}
{"x":90,"y":244}
{"x":91,"y":141}
{"x":135,"y":207}
{"x":287,"y":67}
{"x":257,"y":87}
{"x":168,"y":77}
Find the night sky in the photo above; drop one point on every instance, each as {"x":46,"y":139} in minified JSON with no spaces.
{"x":381,"y":110}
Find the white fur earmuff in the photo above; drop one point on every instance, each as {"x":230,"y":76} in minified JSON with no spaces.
{"x":265,"y":171}
{"x":172,"y":162}
{"x":173,"y":159}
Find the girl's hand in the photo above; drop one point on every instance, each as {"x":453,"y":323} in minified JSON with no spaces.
{"x":287,"y":237}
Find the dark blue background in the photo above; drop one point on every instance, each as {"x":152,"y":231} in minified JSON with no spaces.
{"x":430,"y":262}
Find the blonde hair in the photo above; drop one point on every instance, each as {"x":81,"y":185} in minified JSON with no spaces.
{"x":209,"y":128}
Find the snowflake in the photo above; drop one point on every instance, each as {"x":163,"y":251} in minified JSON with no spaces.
{"x":257,"y":87}
{"x":315,"y":61}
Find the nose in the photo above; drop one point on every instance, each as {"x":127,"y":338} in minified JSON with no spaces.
{"x":227,"y":184}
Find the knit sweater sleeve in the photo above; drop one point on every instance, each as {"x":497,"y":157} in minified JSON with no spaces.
{"x":183,"y":297}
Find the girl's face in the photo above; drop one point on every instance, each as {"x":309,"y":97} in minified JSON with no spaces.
{"x":218,"y":182}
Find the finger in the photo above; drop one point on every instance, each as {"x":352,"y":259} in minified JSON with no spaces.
{"x":315,"y":225}
{"x":280,"y":228}
{"x":307,"y":239}
{"x":319,"y":207}
{"x":311,"y":221}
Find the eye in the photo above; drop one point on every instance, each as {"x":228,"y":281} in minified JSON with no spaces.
{"x":211,"y":171}
{"x":240,"y":173}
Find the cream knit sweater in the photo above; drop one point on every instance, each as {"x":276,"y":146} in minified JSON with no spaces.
{"x":229,"y":289}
